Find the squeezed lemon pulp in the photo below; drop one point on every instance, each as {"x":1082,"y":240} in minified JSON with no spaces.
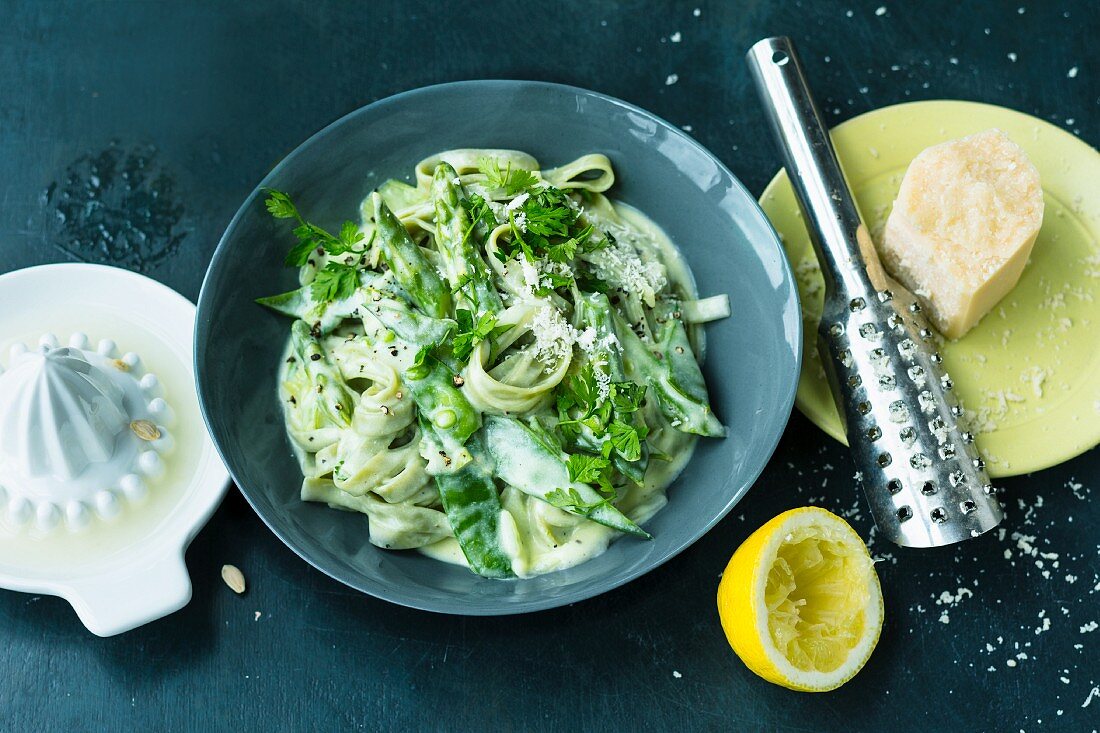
{"x":816,"y":594}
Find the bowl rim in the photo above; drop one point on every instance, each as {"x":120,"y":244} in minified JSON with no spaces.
{"x":791,"y":313}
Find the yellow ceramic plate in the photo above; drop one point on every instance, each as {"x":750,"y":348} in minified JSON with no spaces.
{"x":1029,"y":372}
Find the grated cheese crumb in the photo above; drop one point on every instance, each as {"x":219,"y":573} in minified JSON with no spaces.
{"x":554,"y":337}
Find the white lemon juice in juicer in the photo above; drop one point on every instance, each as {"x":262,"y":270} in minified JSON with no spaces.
{"x":106,"y":471}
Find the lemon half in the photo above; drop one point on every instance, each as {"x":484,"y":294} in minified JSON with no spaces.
{"x":800,"y":601}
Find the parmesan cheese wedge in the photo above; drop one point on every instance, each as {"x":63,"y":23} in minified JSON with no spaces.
{"x":963,"y":226}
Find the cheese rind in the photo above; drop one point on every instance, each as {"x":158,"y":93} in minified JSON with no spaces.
{"x":963,"y":226}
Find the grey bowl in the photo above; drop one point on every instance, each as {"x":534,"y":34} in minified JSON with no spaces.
{"x":752,"y":367}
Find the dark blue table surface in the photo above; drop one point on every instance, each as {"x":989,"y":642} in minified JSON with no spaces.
{"x":195,"y":102}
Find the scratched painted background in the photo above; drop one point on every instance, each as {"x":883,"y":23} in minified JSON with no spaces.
{"x":130,"y":132}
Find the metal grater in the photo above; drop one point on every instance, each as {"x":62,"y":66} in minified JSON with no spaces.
{"x":922,"y":475}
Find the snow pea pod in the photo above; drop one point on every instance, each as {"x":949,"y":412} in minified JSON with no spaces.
{"x":524,"y":461}
{"x":670,"y":378}
{"x":594,"y":310}
{"x":334,"y":400}
{"x":410,"y":267}
{"x":470,"y":499}
{"x":457,"y":242}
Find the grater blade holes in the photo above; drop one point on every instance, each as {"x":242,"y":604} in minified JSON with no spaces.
{"x":928,"y":488}
{"x":968,"y":506}
{"x":857,"y":304}
{"x":884,"y":460}
{"x":854,"y":381}
{"x":899,"y":411}
{"x":884,"y":296}
{"x":938,"y":515}
{"x":904,"y":513}
{"x":874,"y":433}
{"x":893,"y":486}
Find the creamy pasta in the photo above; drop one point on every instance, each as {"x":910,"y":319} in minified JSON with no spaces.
{"x":497,"y":365}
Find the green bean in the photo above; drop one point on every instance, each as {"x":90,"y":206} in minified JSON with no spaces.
{"x":463,"y":264}
{"x":473,"y":508}
{"x":669,"y":377}
{"x":334,"y":400}
{"x":414,"y":273}
{"x":539,"y":470}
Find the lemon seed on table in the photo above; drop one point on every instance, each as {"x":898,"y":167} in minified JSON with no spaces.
{"x":145,"y":429}
{"x":234,"y":578}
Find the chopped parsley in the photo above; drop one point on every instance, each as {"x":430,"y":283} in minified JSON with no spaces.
{"x":335,"y":282}
{"x":512,"y":180}
{"x":571,"y":500}
{"x":471,"y":330}
{"x":310,"y":236}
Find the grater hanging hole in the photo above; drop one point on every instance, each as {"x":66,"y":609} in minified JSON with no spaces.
{"x":968,"y":506}
{"x":874,"y":433}
{"x":857,"y":304}
{"x":885,"y":296}
{"x":938,"y":515}
{"x":855,"y":380}
{"x":929,"y":488}
{"x":893,"y":486}
{"x":885,"y":459}
{"x":904,"y":513}
{"x":863,"y":408}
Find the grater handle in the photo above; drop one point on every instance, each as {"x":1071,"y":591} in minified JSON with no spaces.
{"x":843,"y":245}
